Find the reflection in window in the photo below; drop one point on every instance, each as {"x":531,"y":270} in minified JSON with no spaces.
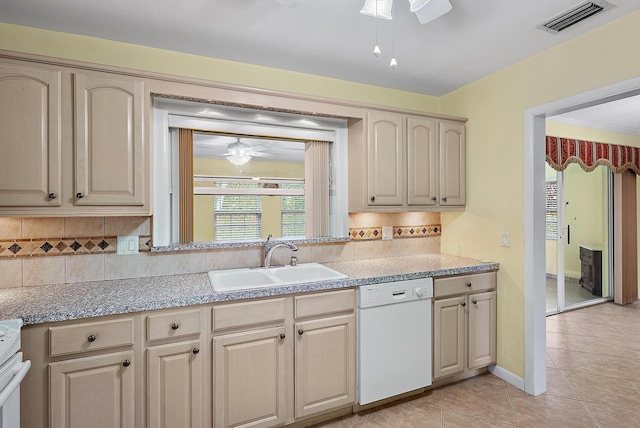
{"x":293,"y":214}
{"x":551,"y":213}
{"x":237,"y":216}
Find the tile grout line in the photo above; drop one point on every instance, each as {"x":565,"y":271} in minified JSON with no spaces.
{"x":513,"y":407}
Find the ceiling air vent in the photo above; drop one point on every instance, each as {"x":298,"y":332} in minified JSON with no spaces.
{"x":575,"y":15}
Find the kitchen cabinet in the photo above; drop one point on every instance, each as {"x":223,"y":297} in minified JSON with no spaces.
{"x":324,"y":353}
{"x":92,"y":390}
{"x":30,"y":124}
{"x":464,"y":325}
{"x":406,"y":163}
{"x":175,"y":370}
{"x":77,"y":142}
{"x":95,"y":392}
{"x":281,"y":360}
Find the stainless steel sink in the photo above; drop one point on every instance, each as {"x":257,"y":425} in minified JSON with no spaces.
{"x":242,"y":279}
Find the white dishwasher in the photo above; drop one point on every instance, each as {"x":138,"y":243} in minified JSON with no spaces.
{"x":394,"y":338}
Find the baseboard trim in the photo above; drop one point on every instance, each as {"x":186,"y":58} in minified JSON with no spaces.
{"x":507,"y":376}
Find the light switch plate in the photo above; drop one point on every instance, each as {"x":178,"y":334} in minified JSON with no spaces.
{"x":127,"y":245}
{"x":387,"y":233}
{"x":506,"y":239}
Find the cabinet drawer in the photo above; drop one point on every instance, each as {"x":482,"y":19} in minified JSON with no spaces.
{"x":174,"y":324}
{"x":248,"y":313}
{"x":464,"y":284}
{"x":324,"y":303}
{"x":90,"y":336}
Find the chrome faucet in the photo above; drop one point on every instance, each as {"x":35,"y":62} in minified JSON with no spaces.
{"x":270,"y":247}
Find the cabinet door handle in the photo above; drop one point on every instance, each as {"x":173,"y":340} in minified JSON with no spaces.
{"x":469,"y":284}
{"x":195,"y":351}
{"x":126,"y":363}
{"x":282,"y":335}
{"x":464,"y":304}
{"x":444,"y":199}
{"x":175,"y":326}
{"x":301,"y":332}
{"x":52,"y":196}
{"x":475,"y":302}
{"x":373,"y":199}
{"x":79,"y":195}
{"x":434,"y":198}
{"x":92,"y":338}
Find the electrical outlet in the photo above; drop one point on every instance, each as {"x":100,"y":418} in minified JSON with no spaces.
{"x":127,"y":245}
{"x":387,"y":233}
{"x":506,"y":239}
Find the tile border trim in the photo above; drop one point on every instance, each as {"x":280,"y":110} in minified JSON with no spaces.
{"x":15,"y":248}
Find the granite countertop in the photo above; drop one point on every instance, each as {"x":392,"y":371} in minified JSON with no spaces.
{"x":35,"y":305}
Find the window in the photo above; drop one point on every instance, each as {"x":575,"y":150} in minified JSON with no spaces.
{"x":551,"y":214}
{"x":237,"y":216}
{"x":293,"y":214}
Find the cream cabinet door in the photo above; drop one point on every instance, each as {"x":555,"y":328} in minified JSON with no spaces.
{"x":482,"y":329}
{"x":449,"y":336}
{"x":30,"y":135}
{"x":109,"y":140}
{"x":324,"y":364}
{"x":385,"y":146}
{"x":452,"y":163}
{"x":174,"y":396}
{"x":422,"y":161}
{"x":96,"y":392}
{"x":249,"y":378}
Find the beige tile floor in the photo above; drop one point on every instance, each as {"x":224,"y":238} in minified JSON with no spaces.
{"x":593,"y":380}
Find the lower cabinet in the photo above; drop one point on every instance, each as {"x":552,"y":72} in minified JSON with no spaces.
{"x":249,"y":378}
{"x":95,"y":392}
{"x":175,"y":379}
{"x":464,"y":324}
{"x":279,"y":360}
{"x":324,"y":364}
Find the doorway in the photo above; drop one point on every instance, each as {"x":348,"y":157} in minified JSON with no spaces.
{"x":578,"y":231}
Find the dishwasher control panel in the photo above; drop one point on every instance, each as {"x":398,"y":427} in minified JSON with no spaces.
{"x":395,"y":292}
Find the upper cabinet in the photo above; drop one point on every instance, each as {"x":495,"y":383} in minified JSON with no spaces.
{"x":109,"y":140}
{"x":406,"y":163}
{"x":30,"y":139}
{"x":75,"y":142}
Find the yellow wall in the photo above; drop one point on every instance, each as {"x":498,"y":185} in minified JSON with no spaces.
{"x":495,"y":107}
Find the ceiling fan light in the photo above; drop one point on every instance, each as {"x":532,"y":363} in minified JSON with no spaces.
{"x":384,"y":8}
{"x":239,"y":160}
{"x":428,"y":10}
{"x":376,"y":51}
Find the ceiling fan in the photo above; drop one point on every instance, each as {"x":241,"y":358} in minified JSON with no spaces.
{"x":238,"y":153}
{"x":425,"y":10}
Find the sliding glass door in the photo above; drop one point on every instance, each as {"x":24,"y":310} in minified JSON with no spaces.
{"x":578,"y":237}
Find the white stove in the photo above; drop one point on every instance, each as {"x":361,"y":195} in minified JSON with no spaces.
{"x":12,"y":371}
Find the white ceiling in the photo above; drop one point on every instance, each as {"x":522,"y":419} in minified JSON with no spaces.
{"x":618,"y":116}
{"x":325,"y":37}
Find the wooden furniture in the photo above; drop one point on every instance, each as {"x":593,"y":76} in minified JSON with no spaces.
{"x":464,"y":325}
{"x":591,"y":270}
{"x":266,"y":362}
{"x":406,"y":163}
{"x":77,"y":141}
{"x":625,"y":241}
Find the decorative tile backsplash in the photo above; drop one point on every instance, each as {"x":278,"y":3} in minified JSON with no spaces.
{"x":64,"y":246}
{"x":374,"y":233}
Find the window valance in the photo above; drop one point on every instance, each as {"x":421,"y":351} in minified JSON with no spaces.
{"x":589,"y":154}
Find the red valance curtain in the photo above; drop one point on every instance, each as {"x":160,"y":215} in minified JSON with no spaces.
{"x":589,"y":154}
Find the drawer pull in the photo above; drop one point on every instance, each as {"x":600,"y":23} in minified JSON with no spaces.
{"x":52,"y":196}
{"x":475,"y":302}
{"x":469,"y":284}
{"x":196,"y":351}
{"x":92,"y":338}
{"x":126,"y":363}
{"x":79,"y":195}
{"x":282,"y":335}
{"x":175,"y":326}
{"x":434,"y":198}
{"x":301,"y":332}
{"x":444,"y":199}
{"x":373,"y":199}
{"x":464,"y":304}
